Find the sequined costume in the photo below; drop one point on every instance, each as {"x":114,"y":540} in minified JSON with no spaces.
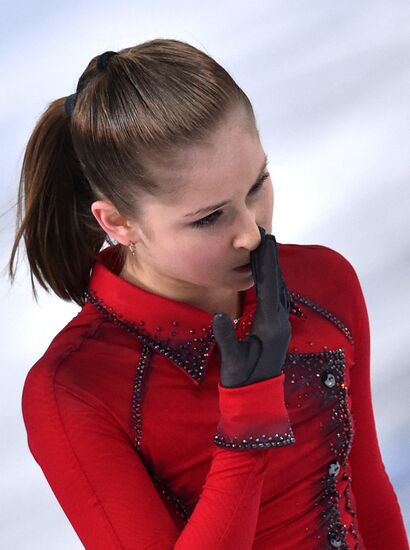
{"x":144,"y":449}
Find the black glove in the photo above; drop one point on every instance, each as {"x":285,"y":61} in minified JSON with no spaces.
{"x":262,"y":353}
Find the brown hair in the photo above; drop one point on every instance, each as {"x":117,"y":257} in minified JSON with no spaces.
{"x":150,"y":102}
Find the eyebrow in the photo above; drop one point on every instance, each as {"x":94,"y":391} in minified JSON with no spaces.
{"x":216,"y":206}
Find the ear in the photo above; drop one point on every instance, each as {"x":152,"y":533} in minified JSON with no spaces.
{"x":113,"y":223}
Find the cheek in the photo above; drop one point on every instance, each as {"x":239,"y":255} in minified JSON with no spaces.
{"x":200,"y":253}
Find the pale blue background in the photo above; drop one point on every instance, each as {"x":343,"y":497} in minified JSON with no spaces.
{"x":329,"y":82}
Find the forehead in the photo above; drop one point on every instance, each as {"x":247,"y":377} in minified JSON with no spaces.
{"x":213,"y":171}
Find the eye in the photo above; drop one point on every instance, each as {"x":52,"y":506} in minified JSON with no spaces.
{"x":209,"y":220}
{"x":212,"y":218}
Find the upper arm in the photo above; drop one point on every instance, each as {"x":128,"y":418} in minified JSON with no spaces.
{"x":93,"y":470}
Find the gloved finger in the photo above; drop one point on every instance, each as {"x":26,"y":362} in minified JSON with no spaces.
{"x":267,"y":280}
{"x":225,"y":335}
{"x":254,"y":260}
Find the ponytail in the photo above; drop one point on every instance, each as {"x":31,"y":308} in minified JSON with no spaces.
{"x":62,"y":237}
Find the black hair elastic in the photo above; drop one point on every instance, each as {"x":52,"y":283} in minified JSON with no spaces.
{"x":102,"y":62}
{"x":103,"y":59}
{"x":69,"y":104}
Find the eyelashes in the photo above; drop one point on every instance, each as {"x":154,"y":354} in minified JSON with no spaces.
{"x":209,"y":220}
{"x":212,"y":218}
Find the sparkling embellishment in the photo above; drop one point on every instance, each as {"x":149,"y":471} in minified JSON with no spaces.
{"x":340,"y":325}
{"x":278,"y":440}
{"x":321,"y":376}
{"x":350,"y":510}
{"x":191,"y":355}
{"x":137,"y":395}
{"x":296,"y":310}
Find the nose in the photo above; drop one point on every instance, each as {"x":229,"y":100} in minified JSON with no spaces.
{"x":251,"y":242}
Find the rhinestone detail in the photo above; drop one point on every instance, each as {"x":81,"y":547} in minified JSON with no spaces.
{"x":351,"y":511}
{"x":191,"y":355}
{"x":321,"y":376}
{"x":137,"y":394}
{"x":296,"y":310}
{"x":263,"y":441}
{"x":330,"y":316}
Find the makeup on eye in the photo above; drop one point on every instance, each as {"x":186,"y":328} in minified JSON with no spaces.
{"x":214,"y":216}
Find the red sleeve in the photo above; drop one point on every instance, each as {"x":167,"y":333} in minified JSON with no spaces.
{"x":104,"y":489}
{"x":378,"y":511}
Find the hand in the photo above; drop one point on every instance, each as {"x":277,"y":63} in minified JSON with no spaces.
{"x":262,"y":353}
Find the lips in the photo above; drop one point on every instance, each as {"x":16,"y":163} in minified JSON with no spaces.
{"x":243,"y":265}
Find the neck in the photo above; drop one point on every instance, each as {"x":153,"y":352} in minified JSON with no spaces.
{"x":230,"y":304}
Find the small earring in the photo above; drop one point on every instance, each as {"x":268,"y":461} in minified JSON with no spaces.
{"x":131,"y":246}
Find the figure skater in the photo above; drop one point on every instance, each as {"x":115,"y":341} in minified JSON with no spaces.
{"x":213,"y":391}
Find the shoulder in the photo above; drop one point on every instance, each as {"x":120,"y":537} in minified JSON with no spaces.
{"x":83,"y":359}
{"x":314,"y":256}
{"x":87,"y":374}
{"x":321,"y":262}
{"x":324,"y":276}
{"x":51,"y":367}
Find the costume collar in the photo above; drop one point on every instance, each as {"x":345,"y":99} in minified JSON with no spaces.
{"x":179,"y":330}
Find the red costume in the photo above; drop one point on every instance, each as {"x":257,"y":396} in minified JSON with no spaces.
{"x":143,"y":448}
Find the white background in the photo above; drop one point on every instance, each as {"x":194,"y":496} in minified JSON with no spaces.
{"x":329,"y":82}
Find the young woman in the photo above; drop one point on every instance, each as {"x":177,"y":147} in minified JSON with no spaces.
{"x":157,"y":423}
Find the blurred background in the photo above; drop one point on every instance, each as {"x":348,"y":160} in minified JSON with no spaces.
{"x":330,"y":87}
